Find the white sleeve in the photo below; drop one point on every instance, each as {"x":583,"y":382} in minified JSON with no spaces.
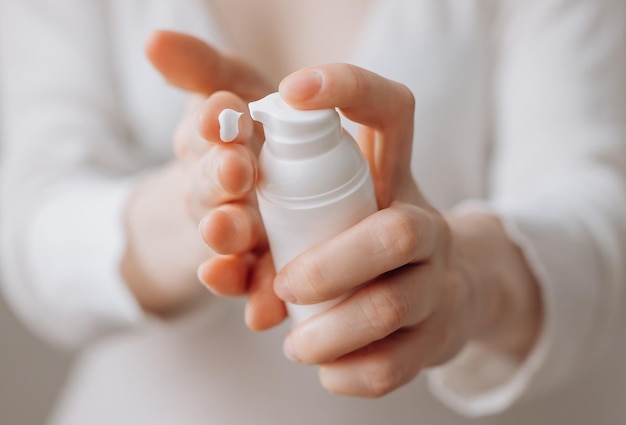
{"x":68,"y":162}
{"x":559,"y":185}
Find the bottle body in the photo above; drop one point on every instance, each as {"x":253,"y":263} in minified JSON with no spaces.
{"x":304,"y":202}
{"x":314,"y":182}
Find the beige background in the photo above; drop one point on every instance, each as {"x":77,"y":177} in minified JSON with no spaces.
{"x":31,"y":373}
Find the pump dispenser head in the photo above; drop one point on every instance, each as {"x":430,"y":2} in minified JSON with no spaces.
{"x":293,"y":133}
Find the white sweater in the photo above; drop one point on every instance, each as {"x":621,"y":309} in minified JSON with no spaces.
{"x":521,"y":109}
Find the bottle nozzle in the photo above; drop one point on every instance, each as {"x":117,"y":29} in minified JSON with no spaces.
{"x":293,"y":132}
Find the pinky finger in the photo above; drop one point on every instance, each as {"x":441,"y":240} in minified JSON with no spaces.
{"x":264,"y":309}
{"x":378,"y":369}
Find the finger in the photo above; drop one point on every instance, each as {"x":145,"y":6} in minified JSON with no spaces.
{"x":264,"y":309}
{"x":398,"y":300}
{"x":226,"y":173}
{"x":362,"y":95}
{"x":386,"y":109}
{"x":200,"y":126}
{"x":386,"y":365}
{"x":192,"y":65}
{"x":226,"y":275}
{"x":208,"y":124}
{"x":384,"y":241}
{"x":379,"y":368}
{"x":232,"y":228}
{"x":189,"y":145}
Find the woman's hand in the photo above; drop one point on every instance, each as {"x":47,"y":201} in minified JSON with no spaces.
{"x":208,"y":184}
{"x":433,"y":282}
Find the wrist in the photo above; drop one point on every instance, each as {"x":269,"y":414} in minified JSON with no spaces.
{"x":506,"y":304}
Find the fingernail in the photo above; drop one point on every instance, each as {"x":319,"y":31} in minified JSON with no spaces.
{"x":217,"y":176}
{"x":282,"y":289}
{"x":237,"y":180}
{"x":250,"y":177}
{"x":301,"y":85}
{"x":203,"y":224}
{"x":200,"y":273}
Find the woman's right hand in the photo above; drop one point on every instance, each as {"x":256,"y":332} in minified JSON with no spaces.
{"x":209,"y":184}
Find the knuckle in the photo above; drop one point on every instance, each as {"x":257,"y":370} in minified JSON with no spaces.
{"x":440,"y":338}
{"x":346,"y":80}
{"x":210,"y":172}
{"x":442,"y":345}
{"x":356,"y":77}
{"x":310,"y":280}
{"x":444,"y":233}
{"x":382,"y":378}
{"x":399,"y":236}
{"x":403,"y":107}
{"x":386,"y":311}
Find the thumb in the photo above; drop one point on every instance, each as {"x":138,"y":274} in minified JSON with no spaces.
{"x":192,"y":65}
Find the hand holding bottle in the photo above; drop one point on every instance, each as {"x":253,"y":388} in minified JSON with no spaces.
{"x":419,"y":285}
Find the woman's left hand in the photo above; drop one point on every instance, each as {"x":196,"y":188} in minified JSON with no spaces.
{"x":416,"y":309}
{"x":424,"y":284}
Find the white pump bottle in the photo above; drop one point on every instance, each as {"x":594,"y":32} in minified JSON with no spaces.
{"x":314,"y":183}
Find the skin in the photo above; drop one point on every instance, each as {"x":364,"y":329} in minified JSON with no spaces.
{"x":436,"y":280}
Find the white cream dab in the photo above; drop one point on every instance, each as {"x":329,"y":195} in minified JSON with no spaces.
{"x":229,"y":124}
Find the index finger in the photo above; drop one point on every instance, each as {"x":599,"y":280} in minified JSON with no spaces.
{"x":363,"y":96}
{"x":382,"y":242}
{"x":385,"y":108}
{"x":192,"y":65}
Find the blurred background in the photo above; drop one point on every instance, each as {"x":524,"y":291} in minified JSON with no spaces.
{"x":31,"y":373}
